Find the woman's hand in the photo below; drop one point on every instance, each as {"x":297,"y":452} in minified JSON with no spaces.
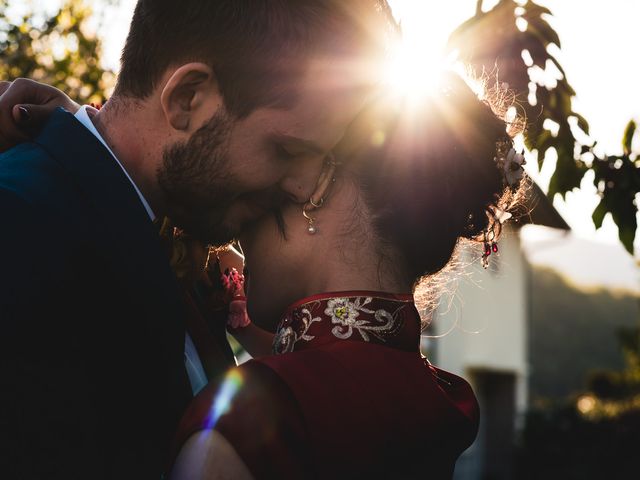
{"x":25,"y":106}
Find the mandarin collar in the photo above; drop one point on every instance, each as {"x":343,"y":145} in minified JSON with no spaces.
{"x":361,"y":316}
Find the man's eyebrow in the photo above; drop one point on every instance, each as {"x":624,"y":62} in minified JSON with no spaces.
{"x":308,"y":145}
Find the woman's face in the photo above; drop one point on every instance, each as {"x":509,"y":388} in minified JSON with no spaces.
{"x":280,"y":270}
{"x":341,"y":255}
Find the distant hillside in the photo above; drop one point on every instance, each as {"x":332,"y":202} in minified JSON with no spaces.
{"x":573,"y":332}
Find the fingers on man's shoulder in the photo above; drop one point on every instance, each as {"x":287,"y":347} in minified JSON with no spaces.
{"x":15,"y":118}
{"x":4,"y":85}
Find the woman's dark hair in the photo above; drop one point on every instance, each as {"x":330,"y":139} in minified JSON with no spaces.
{"x":428,"y":176}
{"x":257,"y":48}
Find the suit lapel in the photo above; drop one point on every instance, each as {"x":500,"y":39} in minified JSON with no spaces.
{"x":124,"y":227}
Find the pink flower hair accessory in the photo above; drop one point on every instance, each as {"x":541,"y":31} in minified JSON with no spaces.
{"x":233,"y":284}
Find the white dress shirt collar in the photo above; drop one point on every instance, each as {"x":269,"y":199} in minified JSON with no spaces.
{"x":83,"y":117}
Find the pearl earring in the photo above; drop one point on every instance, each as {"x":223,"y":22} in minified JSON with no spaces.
{"x":311,"y":228}
{"x":327,"y":178}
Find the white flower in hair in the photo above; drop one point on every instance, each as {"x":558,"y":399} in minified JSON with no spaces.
{"x":510,"y":162}
{"x":513,"y":170}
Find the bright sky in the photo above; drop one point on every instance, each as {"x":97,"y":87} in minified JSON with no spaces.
{"x":597,"y":46}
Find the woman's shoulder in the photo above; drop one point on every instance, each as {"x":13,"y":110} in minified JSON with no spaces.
{"x":255,"y":411}
{"x":363,"y":400}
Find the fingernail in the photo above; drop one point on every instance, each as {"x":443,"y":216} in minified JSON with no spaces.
{"x":25,"y":116}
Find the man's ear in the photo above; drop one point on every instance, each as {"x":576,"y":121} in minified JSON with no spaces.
{"x":190,"y":96}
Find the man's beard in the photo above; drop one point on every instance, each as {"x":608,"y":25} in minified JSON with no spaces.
{"x":197,"y":183}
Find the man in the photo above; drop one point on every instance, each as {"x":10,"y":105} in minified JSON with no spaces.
{"x":222,"y":109}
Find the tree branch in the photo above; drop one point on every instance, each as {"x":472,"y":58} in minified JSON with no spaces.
{"x":478,"y":8}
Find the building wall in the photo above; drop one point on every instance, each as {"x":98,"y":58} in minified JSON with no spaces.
{"x":482,"y":320}
{"x":482,"y":327}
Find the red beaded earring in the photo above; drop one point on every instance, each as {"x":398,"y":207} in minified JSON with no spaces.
{"x":490,"y":246}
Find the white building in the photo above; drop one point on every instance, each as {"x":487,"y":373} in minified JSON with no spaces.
{"x":479,"y":332}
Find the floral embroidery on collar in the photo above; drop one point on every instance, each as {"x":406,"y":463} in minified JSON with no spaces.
{"x":286,"y":337}
{"x":325,"y":318}
{"x":344,"y":313}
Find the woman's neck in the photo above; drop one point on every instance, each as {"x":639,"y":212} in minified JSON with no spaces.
{"x":356,"y":267}
{"x":352,"y":258}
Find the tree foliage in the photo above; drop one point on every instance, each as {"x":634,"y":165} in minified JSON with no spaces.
{"x":514,"y":41}
{"x":593,"y":435}
{"x":59,"y":50}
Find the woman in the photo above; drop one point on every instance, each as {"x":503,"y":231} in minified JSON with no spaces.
{"x":347,"y":393}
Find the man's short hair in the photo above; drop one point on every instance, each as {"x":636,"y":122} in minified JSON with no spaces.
{"x":257,"y":48}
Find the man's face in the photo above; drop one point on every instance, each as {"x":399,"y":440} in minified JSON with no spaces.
{"x":231,"y":172}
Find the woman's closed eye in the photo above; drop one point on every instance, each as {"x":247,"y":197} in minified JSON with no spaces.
{"x":283,"y":153}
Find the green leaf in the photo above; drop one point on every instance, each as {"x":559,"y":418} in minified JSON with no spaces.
{"x":569,"y":172}
{"x":599,"y":214}
{"x":557,"y":64}
{"x":535,"y":9}
{"x":479,"y":7}
{"x":627,"y":235}
{"x":536,"y":49}
{"x":565,"y":88}
{"x":627,"y":139}
{"x":542,"y":29}
{"x":582,"y":122}
{"x":624,"y":214}
{"x":543,"y":143}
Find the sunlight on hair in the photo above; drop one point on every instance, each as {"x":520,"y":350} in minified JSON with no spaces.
{"x":232,"y":383}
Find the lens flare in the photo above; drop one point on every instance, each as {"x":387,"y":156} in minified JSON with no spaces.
{"x":230,"y":386}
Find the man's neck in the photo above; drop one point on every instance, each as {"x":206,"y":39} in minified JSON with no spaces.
{"x":123,"y":128}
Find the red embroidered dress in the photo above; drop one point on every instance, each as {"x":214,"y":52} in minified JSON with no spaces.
{"x":347,"y":395}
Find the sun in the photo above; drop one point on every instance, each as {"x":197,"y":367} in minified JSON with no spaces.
{"x":419,"y":59}
{"x":412,"y":72}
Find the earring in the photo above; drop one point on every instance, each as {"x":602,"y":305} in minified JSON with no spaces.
{"x":489,"y":246}
{"x":327,"y":178}
{"x":311,"y":228}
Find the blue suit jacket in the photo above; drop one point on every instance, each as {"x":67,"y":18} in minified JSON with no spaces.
{"x":91,"y":318}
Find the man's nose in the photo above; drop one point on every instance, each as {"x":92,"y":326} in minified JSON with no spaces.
{"x":301,"y":179}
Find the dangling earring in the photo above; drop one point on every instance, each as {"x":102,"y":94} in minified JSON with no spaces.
{"x":311,"y":228}
{"x":327,"y":178}
{"x":489,"y":246}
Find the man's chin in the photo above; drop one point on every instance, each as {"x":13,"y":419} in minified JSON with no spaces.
{"x":222,"y":228}
{"x":206,"y":232}
{"x":215,"y":237}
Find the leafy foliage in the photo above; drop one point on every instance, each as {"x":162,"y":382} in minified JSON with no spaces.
{"x":594,"y":435}
{"x":59,"y":50}
{"x":592,"y":432}
{"x":514,"y":42}
{"x":561,"y":443}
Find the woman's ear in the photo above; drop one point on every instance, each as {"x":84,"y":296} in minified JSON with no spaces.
{"x":190,"y":96}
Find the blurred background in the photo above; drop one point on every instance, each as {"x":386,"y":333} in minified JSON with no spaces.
{"x":549,"y":335}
